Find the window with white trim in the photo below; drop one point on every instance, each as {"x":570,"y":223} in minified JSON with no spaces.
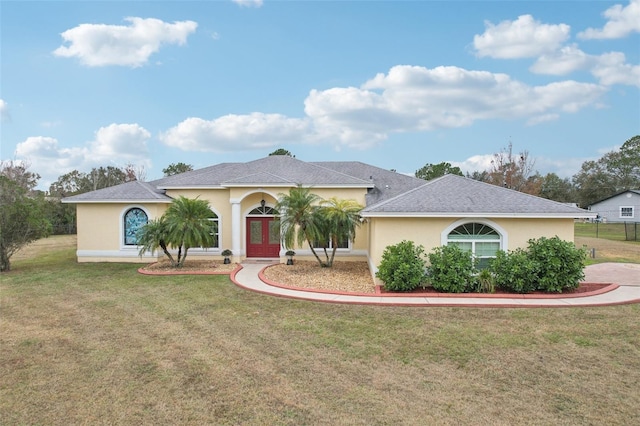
{"x":626,"y":212}
{"x":134,"y":219}
{"x":343,"y":244}
{"x":482,"y":241}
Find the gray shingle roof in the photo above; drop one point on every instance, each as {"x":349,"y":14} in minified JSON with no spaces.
{"x":275,"y":169}
{"x":453,"y":195}
{"x":135,"y":191}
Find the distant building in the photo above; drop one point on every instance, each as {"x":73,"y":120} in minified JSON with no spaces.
{"x":622,"y":207}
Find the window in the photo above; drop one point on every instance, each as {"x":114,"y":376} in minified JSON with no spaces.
{"x":626,"y":212}
{"x":215,"y":231}
{"x":134,"y":220}
{"x":481,"y":240}
{"x":343,"y":244}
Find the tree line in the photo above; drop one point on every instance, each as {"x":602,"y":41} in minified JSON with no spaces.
{"x":615,"y":172}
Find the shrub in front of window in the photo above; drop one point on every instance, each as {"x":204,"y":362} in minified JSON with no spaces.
{"x":402,"y":267}
{"x":451,"y":269}
{"x":560,"y":264}
{"x":515,"y":271}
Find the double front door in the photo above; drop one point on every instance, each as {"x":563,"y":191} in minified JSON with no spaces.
{"x":263,"y":237}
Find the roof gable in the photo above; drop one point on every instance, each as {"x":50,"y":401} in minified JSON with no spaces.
{"x":457,"y":195}
{"x":632,"y":191}
{"x":135,"y":191}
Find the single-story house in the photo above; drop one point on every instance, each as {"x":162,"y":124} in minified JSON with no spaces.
{"x":621,"y":207}
{"x":447,"y":210}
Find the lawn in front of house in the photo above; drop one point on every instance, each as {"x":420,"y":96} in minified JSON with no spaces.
{"x":100,"y":343}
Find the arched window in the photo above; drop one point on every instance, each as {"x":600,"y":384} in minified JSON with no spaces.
{"x":134,"y":219}
{"x":481,"y":240}
{"x":263,"y":210}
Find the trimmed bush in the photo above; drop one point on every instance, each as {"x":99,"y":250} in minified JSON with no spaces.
{"x":402,"y":267}
{"x":515,"y":271}
{"x":560,"y":264}
{"x":451,"y":269}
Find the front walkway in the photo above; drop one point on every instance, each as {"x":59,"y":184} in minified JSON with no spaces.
{"x":626,"y":276}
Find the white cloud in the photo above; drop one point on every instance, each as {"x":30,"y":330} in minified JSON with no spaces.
{"x":621,"y":21}
{"x":611,"y":68}
{"x":248,"y":3}
{"x":562,"y":62}
{"x":474,"y":163}
{"x":114,"y":145}
{"x":542,"y":119}
{"x":522,"y":38}
{"x":406,"y":99}
{"x":101,"y":45}
{"x":233,"y":132}
{"x":4,"y":111}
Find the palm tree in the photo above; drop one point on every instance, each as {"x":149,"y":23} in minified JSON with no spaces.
{"x":153,"y":235}
{"x":299,"y":220}
{"x":340,"y":218}
{"x":188,"y":225}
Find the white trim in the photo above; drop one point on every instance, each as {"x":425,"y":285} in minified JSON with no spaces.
{"x":116,"y":253}
{"x":480,"y":215}
{"x":215,"y":250}
{"x":124,"y":211}
{"x":118,"y":201}
{"x":633,"y":212}
{"x":504,"y":236}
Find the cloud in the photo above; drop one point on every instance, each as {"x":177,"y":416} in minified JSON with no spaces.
{"x":621,"y":21}
{"x":5,"y":116}
{"x":232,"y":132}
{"x":99,"y":45}
{"x":248,"y":3}
{"x":609,"y":68}
{"x":474,"y":163}
{"x":522,"y":38}
{"x":406,"y":99}
{"x":113,"y":145}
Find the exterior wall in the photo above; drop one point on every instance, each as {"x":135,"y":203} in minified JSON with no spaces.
{"x":100,"y":232}
{"x":429,"y":232}
{"x":609,"y":210}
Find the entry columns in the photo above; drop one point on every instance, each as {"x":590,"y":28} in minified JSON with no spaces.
{"x":236,"y":222}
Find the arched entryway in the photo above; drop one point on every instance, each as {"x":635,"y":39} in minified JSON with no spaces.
{"x":263,"y":232}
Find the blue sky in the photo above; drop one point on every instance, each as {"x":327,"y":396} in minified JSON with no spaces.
{"x":394,"y":84}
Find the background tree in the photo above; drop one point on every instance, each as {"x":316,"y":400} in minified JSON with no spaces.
{"x":614,"y":172}
{"x":432,"y":171}
{"x":76,"y":182}
{"x":22,"y":219}
{"x":17,"y":171}
{"x":555,"y":188}
{"x":176,"y":168}
{"x":514,"y":171}
{"x":282,"y":151}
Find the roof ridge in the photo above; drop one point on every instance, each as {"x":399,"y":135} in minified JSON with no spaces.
{"x":315,"y":164}
{"x":149,"y":188}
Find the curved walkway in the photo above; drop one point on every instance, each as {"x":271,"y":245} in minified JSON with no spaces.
{"x":626,"y":276}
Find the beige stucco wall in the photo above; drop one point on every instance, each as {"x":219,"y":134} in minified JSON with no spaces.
{"x":100,"y":226}
{"x":429,"y":232}
{"x":100,"y":231}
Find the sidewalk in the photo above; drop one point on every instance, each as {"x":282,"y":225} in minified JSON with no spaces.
{"x":626,"y":276}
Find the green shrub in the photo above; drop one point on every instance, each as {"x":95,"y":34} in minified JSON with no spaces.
{"x":402,"y":267}
{"x":485,"y":283}
{"x":451,"y":269}
{"x":560,"y":264}
{"x":514,"y":271}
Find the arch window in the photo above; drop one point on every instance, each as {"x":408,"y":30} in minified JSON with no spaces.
{"x":134,"y":219}
{"x":482,"y":241}
{"x":263,"y":210}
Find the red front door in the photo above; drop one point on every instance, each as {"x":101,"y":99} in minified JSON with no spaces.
{"x":263,"y":237}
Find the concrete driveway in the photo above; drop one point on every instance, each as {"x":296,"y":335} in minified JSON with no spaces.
{"x":617,"y":273}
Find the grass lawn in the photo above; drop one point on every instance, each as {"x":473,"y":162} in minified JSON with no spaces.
{"x":101,"y":344}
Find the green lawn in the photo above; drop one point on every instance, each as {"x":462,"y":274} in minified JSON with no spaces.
{"x":99,"y":343}
{"x":609,"y":231}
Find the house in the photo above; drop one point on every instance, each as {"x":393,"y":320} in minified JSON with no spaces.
{"x":448,"y":210}
{"x":621,"y":207}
